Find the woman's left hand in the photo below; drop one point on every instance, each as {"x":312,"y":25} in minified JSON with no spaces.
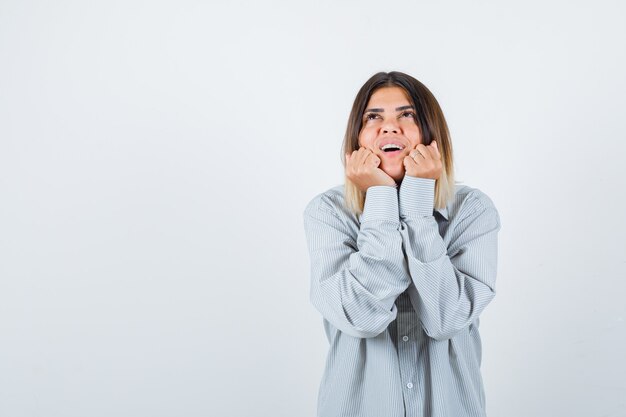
{"x":424,"y":162}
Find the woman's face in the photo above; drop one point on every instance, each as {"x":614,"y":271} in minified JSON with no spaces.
{"x":389,"y":117}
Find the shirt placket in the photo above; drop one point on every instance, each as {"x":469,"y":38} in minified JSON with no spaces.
{"x":407,"y":353}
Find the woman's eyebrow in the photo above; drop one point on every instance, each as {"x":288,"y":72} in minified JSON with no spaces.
{"x":377,"y":110}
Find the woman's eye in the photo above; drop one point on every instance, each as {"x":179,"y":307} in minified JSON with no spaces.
{"x":408,"y":113}
{"x":371,"y":116}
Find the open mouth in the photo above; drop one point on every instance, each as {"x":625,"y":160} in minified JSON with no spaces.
{"x":391,"y":147}
{"x":393,"y":153}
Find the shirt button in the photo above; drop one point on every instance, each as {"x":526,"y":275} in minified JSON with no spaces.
{"x":409,"y":385}
{"x":405,"y":338}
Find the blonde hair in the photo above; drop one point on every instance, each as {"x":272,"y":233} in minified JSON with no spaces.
{"x":430,"y":121}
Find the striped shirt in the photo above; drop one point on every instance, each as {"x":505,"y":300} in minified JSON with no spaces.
{"x":400,"y":289}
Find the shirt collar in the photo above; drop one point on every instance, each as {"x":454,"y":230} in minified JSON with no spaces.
{"x":443,"y":212}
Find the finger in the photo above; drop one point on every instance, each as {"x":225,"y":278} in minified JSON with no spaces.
{"x":367,"y":154}
{"x":436,"y":149}
{"x":424,"y":151}
{"x":352,"y":160}
{"x":416,"y":155}
{"x":432,"y":152}
{"x":371,"y":159}
{"x":360,"y":156}
{"x":376,"y":158}
{"x":369,"y":151}
{"x":350,"y":156}
{"x":354,"y":157}
{"x":409,"y":162}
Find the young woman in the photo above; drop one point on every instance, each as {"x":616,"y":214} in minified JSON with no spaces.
{"x":403,"y":262}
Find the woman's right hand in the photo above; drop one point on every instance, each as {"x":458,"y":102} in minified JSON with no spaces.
{"x":362,"y":169}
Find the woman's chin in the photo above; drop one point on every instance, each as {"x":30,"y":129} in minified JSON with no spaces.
{"x":397,"y":173}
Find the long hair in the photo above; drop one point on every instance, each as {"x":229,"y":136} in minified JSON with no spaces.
{"x":430,"y":121}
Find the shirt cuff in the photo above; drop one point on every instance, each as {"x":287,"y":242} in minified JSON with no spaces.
{"x":381,"y":203}
{"x":416,"y":197}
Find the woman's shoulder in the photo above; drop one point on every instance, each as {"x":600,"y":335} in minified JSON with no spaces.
{"x":464,"y":192}
{"x":468,"y":199}
{"x":331,"y":200}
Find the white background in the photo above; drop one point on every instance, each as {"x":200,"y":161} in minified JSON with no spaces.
{"x":156,"y":157}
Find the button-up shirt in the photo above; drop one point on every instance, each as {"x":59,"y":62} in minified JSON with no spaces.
{"x":400,"y":289}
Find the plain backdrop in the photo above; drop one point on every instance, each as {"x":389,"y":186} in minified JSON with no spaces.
{"x":156,"y":158}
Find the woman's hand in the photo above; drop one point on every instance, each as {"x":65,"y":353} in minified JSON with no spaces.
{"x":424,"y":162}
{"x":362,"y":169}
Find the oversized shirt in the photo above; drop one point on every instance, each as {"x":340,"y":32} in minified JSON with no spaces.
{"x":400,"y":289}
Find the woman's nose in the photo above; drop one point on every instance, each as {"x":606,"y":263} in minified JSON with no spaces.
{"x":390,"y":126}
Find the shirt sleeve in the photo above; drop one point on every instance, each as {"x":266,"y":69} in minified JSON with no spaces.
{"x":453,"y":284}
{"x":354,"y":284}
